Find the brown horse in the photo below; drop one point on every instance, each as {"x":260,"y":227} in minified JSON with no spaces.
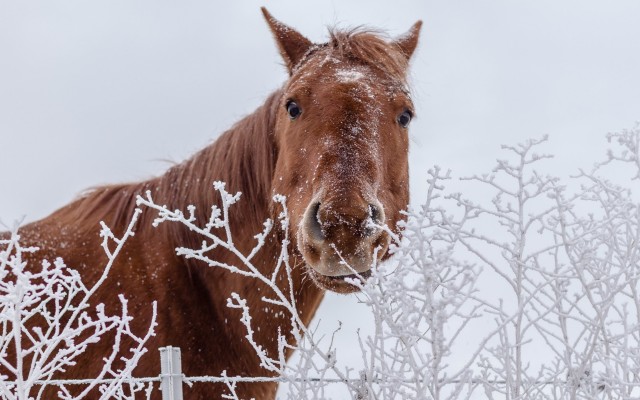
{"x":333,"y":140}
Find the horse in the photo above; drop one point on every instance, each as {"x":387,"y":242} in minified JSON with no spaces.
{"x":333,"y":140}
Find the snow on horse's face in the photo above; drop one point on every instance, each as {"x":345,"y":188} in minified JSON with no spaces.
{"x":342,"y":148}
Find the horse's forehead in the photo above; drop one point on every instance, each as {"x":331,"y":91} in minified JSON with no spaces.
{"x":351,"y":83}
{"x":331,"y":74}
{"x":351,"y":74}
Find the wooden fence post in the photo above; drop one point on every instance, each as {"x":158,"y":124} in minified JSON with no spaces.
{"x":171,"y":373}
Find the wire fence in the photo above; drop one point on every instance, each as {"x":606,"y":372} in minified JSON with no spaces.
{"x":171,"y":379}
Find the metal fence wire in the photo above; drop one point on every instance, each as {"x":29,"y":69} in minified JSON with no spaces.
{"x":171,"y":378}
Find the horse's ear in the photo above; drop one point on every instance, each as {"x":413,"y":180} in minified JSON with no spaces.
{"x":408,"y":42}
{"x":293,"y":46}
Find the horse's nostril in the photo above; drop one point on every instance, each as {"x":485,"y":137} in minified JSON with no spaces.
{"x":322,"y":222}
{"x":315,"y":210}
{"x":313,"y":222}
{"x":376,"y":215}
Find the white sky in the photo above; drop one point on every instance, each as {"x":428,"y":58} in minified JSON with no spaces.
{"x":106,"y":91}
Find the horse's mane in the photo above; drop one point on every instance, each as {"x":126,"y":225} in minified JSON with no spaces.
{"x":243,"y":157}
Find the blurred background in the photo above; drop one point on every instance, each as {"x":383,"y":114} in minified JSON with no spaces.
{"x":111,"y":91}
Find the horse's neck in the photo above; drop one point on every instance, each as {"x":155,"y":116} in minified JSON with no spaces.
{"x":244,"y":158}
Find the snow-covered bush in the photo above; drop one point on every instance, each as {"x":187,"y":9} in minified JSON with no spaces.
{"x":66,"y":325}
{"x":543,"y":279}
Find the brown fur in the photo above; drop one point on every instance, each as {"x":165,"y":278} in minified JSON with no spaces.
{"x":263,"y":154}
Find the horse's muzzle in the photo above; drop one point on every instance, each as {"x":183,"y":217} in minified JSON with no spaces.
{"x":342,"y":240}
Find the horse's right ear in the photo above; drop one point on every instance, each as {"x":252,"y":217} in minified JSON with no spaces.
{"x":408,"y":42}
{"x":293,"y":46}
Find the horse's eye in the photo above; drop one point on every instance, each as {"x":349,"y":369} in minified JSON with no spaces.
{"x":293,"y":109}
{"x":404,"y":118}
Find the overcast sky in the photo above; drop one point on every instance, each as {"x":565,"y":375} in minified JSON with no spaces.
{"x":95,"y":92}
{"x":108,"y":91}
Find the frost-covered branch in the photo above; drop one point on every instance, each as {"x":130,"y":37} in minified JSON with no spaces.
{"x":629,"y":147}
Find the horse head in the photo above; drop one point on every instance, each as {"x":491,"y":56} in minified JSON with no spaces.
{"x":341,"y":137}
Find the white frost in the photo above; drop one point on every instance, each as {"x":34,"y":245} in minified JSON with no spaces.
{"x":349,"y":75}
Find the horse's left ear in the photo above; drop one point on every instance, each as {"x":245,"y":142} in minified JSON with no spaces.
{"x":408,"y":42}
{"x":293,"y":46}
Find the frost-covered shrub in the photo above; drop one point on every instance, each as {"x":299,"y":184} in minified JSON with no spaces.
{"x":47,"y":323}
{"x":543,"y":280}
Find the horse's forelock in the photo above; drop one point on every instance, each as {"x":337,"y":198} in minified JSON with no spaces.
{"x":370,"y":47}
